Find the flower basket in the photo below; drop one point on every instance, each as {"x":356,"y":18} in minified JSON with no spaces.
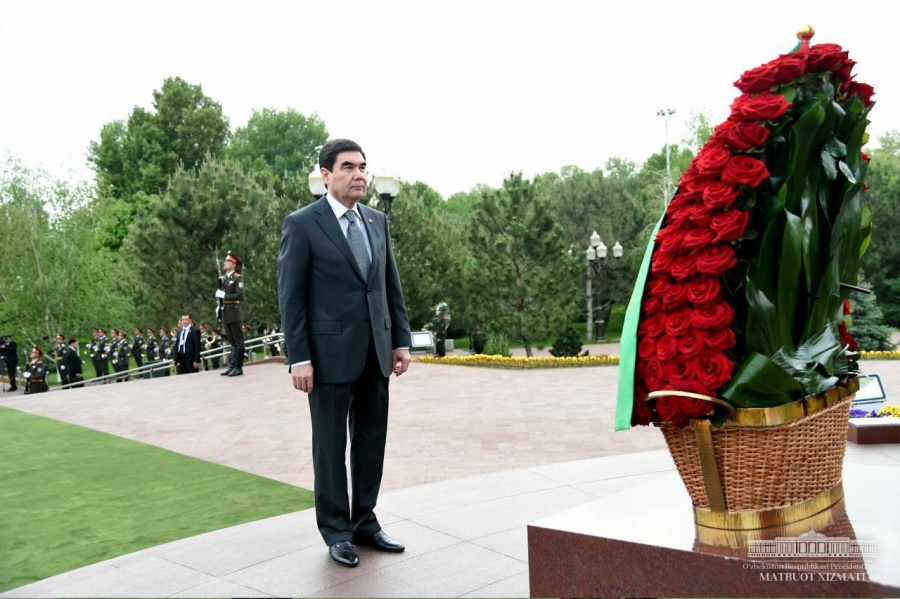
{"x":734,"y":341}
{"x":765,"y":469}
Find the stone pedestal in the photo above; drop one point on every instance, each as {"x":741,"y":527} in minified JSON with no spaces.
{"x":642,"y":543}
{"x":874,"y":431}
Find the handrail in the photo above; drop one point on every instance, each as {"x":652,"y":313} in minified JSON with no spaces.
{"x":258,"y":342}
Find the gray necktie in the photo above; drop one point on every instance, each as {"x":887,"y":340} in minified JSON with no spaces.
{"x":357,"y":244}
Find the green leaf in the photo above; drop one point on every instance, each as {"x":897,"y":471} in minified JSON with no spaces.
{"x":760,"y":382}
{"x":847,"y":172}
{"x":817,"y":362}
{"x":829,"y":163}
{"x":789,"y":273}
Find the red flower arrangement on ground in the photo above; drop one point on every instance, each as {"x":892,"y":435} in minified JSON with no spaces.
{"x":687,"y":333}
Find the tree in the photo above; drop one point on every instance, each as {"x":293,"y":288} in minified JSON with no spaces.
{"x":56,"y":276}
{"x":429,"y":248}
{"x":866,"y":323}
{"x":280,"y":143}
{"x":176,"y":244}
{"x":134,"y":159}
{"x":521,"y":269}
{"x":882,"y":257}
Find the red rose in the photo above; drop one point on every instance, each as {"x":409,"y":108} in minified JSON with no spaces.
{"x":865,"y":157}
{"x":842,"y":73}
{"x":678,"y":322}
{"x":863,"y":90}
{"x":667,"y":348}
{"x":720,"y":339}
{"x":661,"y":262}
{"x":693,"y":179}
{"x":746,"y":135}
{"x":716,"y":316}
{"x":671,"y":240}
{"x":745,"y":170}
{"x":679,"y":370}
{"x":646,"y":349}
{"x":783,"y":69}
{"x":712,"y":159}
{"x":720,"y":133}
{"x":683,"y":267}
{"x":704,"y":290}
{"x":698,"y":237}
{"x":650,"y":306}
{"x":691,"y":343}
{"x":719,"y":195}
{"x":700,"y":216}
{"x":729,"y":225}
{"x":826,"y":57}
{"x":654,"y":375}
{"x":846,"y":307}
{"x":764,"y":107}
{"x":655,"y":326}
{"x":669,"y":410}
{"x":716,"y":259}
{"x":675,"y":295}
{"x":691,"y":406}
{"x":713,"y":369}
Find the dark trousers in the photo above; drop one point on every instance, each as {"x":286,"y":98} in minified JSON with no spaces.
{"x":364,"y":405}
{"x":184,"y":365}
{"x":234,"y":333}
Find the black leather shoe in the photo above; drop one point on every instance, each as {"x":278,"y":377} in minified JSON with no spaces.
{"x":379,"y":541}
{"x":344,"y":554}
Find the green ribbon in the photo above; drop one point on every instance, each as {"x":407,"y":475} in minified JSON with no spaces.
{"x":628,"y":343}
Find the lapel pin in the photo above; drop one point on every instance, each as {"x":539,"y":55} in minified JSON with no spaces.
{"x":370,"y":220}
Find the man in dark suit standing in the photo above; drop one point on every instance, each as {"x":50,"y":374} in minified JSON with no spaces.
{"x":187,"y":349}
{"x":346,"y":330}
{"x":72,"y":362}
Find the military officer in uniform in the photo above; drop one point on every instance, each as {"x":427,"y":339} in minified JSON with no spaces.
{"x":165,"y":351}
{"x":36,"y":373}
{"x":59,"y":353}
{"x":137,"y":347}
{"x":152,"y":349}
{"x":103,"y":350}
{"x":121,"y":355}
{"x":231,"y":292}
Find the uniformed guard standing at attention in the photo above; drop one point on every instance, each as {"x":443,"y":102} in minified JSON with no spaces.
{"x":36,"y":373}
{"x":165,"y":351}
{"x":152,"y":348}
{"x":59,"y":353}
{"x":231,"y":292}
{"x":137,"y":348}
{"x":103,"y":350}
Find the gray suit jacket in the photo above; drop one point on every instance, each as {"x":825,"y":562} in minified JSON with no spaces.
{"x":328,"y":310}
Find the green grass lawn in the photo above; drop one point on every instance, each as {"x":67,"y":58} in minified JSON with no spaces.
{"x":71,"y":496}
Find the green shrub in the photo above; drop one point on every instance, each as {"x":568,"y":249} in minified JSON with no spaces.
{"x":567,"y":344}
{"x":497,"y":345}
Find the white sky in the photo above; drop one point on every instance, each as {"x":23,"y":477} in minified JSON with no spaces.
{"x":450,"y":93}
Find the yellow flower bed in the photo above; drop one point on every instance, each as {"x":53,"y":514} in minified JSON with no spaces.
{"x":887,"y":354}
{"x":520,"y":361}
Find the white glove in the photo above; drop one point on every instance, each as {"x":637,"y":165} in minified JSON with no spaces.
{"x":26,"y":374}
{"x":220,"y":294}
{"x":62,"y":367}
{"x":115,"y":354}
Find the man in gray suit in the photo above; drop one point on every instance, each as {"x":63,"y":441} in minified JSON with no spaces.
{"x":346,"y":330}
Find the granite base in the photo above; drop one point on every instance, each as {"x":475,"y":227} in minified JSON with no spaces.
{"x":642,"y":543}
{"x":874,"y":431}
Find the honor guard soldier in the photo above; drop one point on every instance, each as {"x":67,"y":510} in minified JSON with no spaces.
{"x":36,"y":373}
{"x":92,"y":350}
{"x":103,"y":350}
{"x":165,"y":351}
{"x":137,"y":347}
{"x":121,"y":355}
{"x":59,"y":353}
{"x":152,"y":349}
{"x":231,"y":292}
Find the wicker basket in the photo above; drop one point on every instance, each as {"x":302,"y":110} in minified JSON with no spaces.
{"x":762,"y":460}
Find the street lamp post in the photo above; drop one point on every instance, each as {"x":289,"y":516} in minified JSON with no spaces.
{"x":666,"y":113}
{"x":387,"y":187}
{"x":597,"y":256}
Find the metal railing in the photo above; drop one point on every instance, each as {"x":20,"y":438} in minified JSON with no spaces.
{"x":146,"y":370}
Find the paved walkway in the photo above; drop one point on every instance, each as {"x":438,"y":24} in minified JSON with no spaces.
{"x":537,"y":442}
